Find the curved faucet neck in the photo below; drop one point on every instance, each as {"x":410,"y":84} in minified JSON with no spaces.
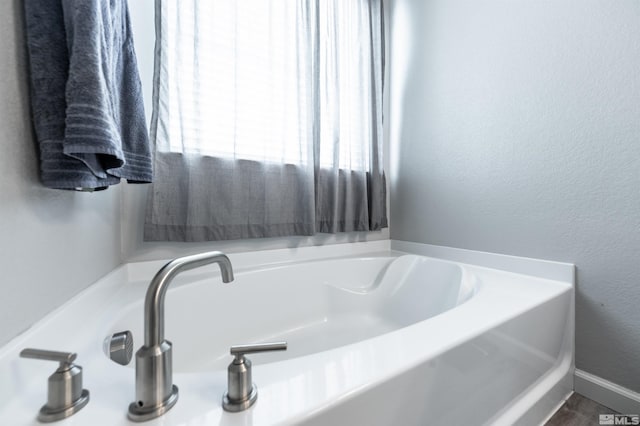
{"x":154,"y":300}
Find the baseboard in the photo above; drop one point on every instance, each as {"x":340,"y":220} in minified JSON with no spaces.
{"x":611,"y":395}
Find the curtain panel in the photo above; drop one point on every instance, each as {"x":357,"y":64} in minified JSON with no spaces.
{"x":267,"y":119}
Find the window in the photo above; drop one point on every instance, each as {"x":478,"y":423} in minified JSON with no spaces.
{"x":240,"y":87}
{"x":279,"y":84}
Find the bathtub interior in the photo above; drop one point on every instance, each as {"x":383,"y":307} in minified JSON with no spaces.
{"x":314,"y":306}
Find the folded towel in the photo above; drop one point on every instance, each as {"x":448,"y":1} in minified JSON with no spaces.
{"x":86,"y":94}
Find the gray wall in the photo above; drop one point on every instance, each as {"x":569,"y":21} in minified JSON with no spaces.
{"x":516,"y":129}
{"x":52,"y":243}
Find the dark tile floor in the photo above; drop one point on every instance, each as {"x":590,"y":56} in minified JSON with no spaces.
{"x":579,"y":411}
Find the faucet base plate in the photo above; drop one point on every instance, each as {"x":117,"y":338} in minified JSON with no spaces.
{"x":142,"y":414}
{"x":234,"y":407}
{"x":48,"y":415}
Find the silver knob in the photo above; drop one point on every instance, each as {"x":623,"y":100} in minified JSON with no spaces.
{"x":65,"y":395}
{"x":242,"y":392}
{"x":119,"y":347}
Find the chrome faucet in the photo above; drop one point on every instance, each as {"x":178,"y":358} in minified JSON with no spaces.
{"x":155,"y":391}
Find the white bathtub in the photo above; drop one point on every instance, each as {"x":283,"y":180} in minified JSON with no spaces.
{"x":375,"y":338}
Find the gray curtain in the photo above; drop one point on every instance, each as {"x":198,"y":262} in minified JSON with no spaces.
{"x":267,"y":119}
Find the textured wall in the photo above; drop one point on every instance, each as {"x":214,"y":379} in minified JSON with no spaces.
{"x":516,"y":129}
{"x":52,"y":243}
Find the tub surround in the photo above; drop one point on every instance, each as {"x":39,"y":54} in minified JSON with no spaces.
{"x":512,"y":337}
{"x":546,"y":269}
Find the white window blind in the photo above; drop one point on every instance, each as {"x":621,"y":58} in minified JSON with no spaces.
{"x":244,"y":90}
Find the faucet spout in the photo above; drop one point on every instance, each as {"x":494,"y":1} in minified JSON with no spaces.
{"x":155,"y":392}
{"x":154,"y":300}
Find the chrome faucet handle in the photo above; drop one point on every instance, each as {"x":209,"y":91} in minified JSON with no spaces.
{"x":65,"y":395}
{"x":240,"y":350}
{"x":64,"y":358}
{"x":242,"y":392}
